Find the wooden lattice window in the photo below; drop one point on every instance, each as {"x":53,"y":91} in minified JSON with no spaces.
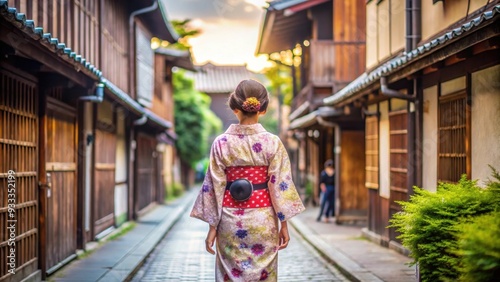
{"x":453,"y":137}
{"x":372,"y":153}
{"x":398,"y":123}
{"x":18,"y":154}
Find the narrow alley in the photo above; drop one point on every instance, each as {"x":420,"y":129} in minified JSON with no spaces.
{"x":167,"y":245}
{"x":181,"y":256}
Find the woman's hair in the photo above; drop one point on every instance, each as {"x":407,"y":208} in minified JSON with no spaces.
{"x":329,"y":163}
{"x":241,"y":98}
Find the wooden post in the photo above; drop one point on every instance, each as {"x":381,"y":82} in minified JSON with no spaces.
{"x":42,"y":182}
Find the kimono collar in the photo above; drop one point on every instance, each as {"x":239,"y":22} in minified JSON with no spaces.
{"x":249,"y":129}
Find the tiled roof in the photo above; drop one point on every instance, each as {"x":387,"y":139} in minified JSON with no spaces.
{"x":311,"y":118}
{"x":211,"y":78}
{"x":133,"y":105}
{"x":46,"y":39}
{"x":397,"y":63}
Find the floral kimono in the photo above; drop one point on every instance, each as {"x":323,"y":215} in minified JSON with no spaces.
{"x":247,"y":234}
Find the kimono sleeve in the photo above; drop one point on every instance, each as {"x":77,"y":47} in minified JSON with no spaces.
{"x":286,"y":201}
{"x":207,"y":206}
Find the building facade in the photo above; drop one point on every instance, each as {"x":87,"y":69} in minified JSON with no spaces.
{"x":326,"y":40}
{"x":83,"y":104}
{"x":430,"y":99}
{"x":421,"y":108}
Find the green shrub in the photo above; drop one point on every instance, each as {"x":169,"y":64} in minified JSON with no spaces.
{"x":428,"y":224}
{"x":174,"y":191}
{"x":309,"y":189}
{"x":479,"y":248}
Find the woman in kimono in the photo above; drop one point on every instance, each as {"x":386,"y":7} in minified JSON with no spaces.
{"x":248,"y":232}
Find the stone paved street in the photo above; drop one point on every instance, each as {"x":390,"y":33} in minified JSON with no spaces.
{"x":181,"y":256}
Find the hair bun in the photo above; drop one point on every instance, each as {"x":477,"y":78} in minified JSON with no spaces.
{"x":251,"y":105}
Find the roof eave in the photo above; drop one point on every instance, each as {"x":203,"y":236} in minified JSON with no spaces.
{"x":159,"y":25}
{"x":296,"y":29}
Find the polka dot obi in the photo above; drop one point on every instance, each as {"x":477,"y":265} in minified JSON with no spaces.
{"x":256,"y":175}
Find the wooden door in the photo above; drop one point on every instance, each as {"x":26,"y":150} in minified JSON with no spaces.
{"x":61,"y":199}
{"x":18,"y":172}
{"x":145,"y":181}
{"x":104,"y":181}
{"x":351,"y":195}
{"x":398,"y":130}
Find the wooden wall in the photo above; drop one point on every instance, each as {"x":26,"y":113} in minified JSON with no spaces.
{"x":163,"y":93}
{"x":95,"y":29}
{"x":322,"y":66}
{"x":349,"y":39}
{"x":114,"y":38}
{"x":74,"y":22}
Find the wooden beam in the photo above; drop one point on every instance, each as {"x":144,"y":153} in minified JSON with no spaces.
{"x":491,"y":44}
{"x":455,"y":59}
{"x":480,"y":61}
{"x":359,"y":103}
{"x":432,"y":68}
{"x":105,"y":166}
{"x":58,"y":166}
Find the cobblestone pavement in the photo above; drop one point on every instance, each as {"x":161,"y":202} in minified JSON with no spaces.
{"x":181,"y":256}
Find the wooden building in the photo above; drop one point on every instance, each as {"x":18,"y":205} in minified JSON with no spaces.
{"x":329,"y":39}
{"x":430,"y":99}
{"x":83,"y":105}
{"x":166,"y":60}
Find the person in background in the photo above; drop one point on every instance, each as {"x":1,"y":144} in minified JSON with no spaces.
{"x":248,"y":228}
{"x":327,"y":185}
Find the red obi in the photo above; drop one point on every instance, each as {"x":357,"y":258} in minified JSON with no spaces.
{"x":256,"y":175}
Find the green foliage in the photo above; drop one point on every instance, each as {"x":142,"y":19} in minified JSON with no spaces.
{"x":174,"y":191}
{"x":309,"y":189}
{"x":124,"y":229}
{"x":194,"y":121}
{"x":185,"y":32}
{"x":429,"y":221}
{"x":479,"y":243}
{"x":280,"y":82}
{"x":269,"y":121}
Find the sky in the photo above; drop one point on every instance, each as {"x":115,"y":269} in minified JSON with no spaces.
{"x":229,"y":30}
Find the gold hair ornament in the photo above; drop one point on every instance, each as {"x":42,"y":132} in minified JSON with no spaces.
{"x":251,"y":105}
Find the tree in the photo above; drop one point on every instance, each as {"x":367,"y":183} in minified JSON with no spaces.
{"x":194,"y":121}
{"x":280,"y":82}
{"x":184,"y":31}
